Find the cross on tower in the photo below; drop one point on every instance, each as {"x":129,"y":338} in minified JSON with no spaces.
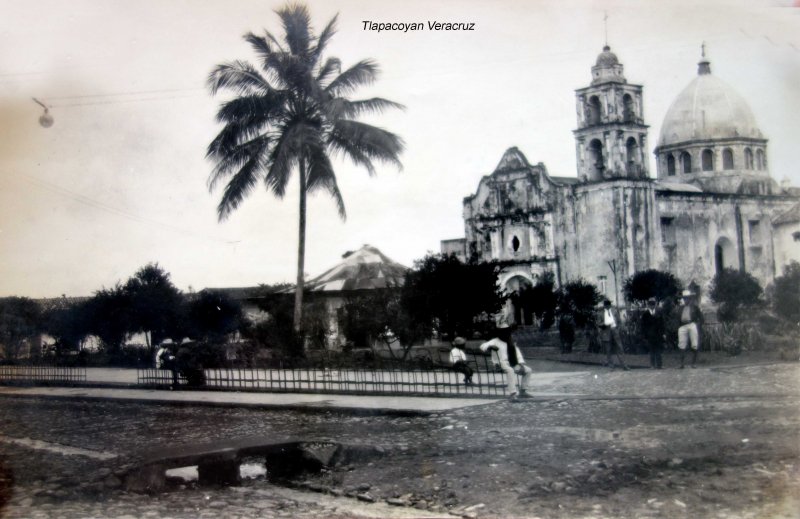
{"x":605,"y":25}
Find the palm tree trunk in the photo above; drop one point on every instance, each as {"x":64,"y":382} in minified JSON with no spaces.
{"x":301,"y":253}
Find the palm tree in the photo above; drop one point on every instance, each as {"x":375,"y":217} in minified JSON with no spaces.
{"x":292,"y":115}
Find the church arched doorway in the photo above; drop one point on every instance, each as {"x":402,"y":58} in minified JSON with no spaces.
{"x":724,"y":255}
{"x":515,"y":286}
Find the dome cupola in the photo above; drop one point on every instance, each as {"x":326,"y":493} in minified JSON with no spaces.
{"x":607,"y":68}
{"x":708,"y":109}
{"x":709,"y":137}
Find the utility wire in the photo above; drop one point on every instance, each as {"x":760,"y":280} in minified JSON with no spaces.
{"x":95,"y":204}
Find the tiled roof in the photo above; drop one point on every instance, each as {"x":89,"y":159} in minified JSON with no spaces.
{"x":364,"y":269}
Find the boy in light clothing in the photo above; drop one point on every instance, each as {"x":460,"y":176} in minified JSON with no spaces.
{"x":458,"y":359}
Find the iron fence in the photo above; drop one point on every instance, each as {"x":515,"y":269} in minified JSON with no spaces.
{"x":379,"y":376}
{"x":41,"y":375}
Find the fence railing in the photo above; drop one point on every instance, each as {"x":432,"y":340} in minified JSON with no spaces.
{"x":383,"y":376}
{"x":41,"y":374}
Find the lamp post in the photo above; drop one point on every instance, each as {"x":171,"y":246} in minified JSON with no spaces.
{"x":46,"y":120}
{"x":612,"y":264}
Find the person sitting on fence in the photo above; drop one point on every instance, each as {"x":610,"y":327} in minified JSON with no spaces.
{"x":511,"y":361}
{"x":458,"y":359}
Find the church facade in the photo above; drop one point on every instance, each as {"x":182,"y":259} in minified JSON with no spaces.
{"x":712,"y":204}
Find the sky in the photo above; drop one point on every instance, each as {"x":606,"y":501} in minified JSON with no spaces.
{"x":120,"y":179}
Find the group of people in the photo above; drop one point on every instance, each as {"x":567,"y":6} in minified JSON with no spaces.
{"x":653,"y":326}
{"x":504,"y":353}
{"x":181,"y":364}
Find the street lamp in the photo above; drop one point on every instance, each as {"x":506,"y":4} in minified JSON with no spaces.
{"x":46,"y":120}
{"x":612,"y":264}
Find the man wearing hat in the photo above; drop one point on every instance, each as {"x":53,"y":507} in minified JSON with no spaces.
{"x":510,"y":360}
{"x":459,"y":359}
{"x":608,"y":321}
{"x":689,"y":331}
{"x":652,"y":324}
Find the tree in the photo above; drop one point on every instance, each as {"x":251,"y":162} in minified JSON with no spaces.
{"x":67,"y":322}
{"x":108,"y":316}
{"x":155,"y":304}
{"x":379,"y":316}
{"x":786,"y":293}
{"x":292,"y":117}
{"x":441,"y":293}
{"x":651,"y":283}
{"x":20,"y":323}
{"x":579,"y":298}
{"x":211,"y":316}
{"x":276,"y":332}
{"x":541,"y":299}
{"x":734,"y":290}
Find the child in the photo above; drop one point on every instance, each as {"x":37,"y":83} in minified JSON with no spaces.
{"x":459,"y":359}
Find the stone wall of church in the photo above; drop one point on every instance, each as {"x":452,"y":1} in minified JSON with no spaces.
{"x":509,"y":217}
{"x":703,"y":232}
{"x":787,"y":245}
{"x":614,"y":228}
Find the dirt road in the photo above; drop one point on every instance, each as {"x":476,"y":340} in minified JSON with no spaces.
{"x":724,"y":443}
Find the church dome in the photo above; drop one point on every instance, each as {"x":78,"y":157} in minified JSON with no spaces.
{"x":607,"y":58}
{"x":708,"y":109}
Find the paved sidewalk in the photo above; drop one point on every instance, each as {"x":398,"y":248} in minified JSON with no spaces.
{"x":116,"y":385}
{"x":775,"y":380}
{"x":367,"y":404}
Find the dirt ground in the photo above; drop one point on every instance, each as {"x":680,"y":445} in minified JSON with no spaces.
{"x":705,"y":443}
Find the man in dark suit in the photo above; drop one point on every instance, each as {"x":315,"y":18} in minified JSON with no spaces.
{"x":653,"y":326}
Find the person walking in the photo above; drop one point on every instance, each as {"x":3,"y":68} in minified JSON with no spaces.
{"x":458,"y":359}
{"x":509,"y":358}
{"x":653,"y":326}
{"x":608,"y":327}
{"x":566,"y":331}
{"x":689,"y":330}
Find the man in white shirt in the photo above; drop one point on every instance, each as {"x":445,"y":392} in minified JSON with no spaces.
{"x":608,"y":325}
{"x":510,"y":359}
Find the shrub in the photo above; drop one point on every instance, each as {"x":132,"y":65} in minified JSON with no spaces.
{"x":785,"y":298}
{"x":734,"y":290}
{"x":579,"y":298}
{"x":651,"y":283}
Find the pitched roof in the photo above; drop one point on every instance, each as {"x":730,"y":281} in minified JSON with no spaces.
{"x":365,"y":269}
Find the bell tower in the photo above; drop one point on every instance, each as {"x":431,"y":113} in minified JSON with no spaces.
{"x":611,"y":139}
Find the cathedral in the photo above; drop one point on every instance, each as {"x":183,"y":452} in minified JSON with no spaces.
{"x":712,"y":204}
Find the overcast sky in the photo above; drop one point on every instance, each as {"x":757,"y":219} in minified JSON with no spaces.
{"x":120,"y":179}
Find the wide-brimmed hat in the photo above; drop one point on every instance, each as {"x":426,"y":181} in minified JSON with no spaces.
{"x":652,"y":300}
{"x":459,"y":341}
